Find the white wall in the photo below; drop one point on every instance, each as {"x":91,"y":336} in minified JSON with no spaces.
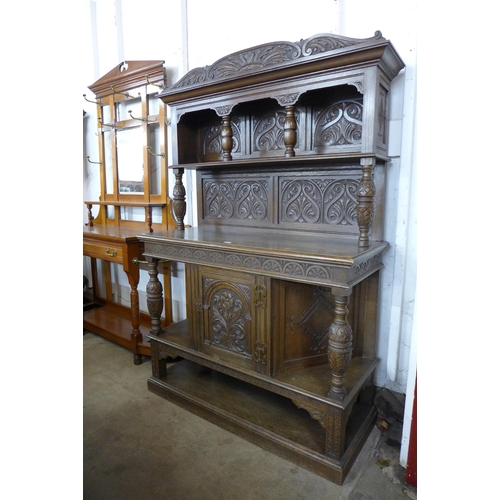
{"x":191,"y":33}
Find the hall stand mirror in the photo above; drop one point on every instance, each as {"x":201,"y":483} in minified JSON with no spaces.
{"x":133,"y":199}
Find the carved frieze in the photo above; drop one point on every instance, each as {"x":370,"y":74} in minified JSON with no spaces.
{"x":284,"y":268}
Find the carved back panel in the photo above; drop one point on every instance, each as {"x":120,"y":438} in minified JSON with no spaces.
{"x":320,"y":200}
{"x":327,"y":122}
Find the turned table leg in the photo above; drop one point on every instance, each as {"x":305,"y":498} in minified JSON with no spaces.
{"x":154,"y":293}
{"x":339,"y":346}
{"x":132,"y":273}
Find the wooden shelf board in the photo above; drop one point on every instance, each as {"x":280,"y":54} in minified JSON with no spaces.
{"x":277,"y":161}
{"x":113,"y":322}
{"x":268,"y":420}
{"x":313,"y":382}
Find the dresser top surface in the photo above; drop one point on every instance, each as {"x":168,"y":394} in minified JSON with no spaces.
{"x":270,"y":242}
{"x":110,"y":233}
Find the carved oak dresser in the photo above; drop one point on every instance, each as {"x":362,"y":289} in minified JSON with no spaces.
{"x":289,"y":144}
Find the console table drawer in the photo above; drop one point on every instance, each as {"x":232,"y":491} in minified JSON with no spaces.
{"x":112,"y":253}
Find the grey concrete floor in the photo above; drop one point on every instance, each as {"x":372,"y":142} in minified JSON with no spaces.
{"x":138,"y":446}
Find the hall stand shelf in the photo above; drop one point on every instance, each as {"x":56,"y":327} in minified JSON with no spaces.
{"x":289,"y":144}
{"x":133,"y":198}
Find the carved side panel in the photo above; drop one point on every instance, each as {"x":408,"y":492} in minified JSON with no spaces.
{"x":381,"y":138}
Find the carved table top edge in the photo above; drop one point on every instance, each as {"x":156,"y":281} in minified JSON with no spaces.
{"x":321,"y":247}
{"x":315,"y":259}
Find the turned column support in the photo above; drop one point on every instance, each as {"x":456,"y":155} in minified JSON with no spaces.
{"x":90,"y":217}
{"x":290,"y":131}
{"x":148,"y":213}
{"x":366,"y":196}
{"x":154,"y":294}
{"x":227,"y":138}
{"x":339,"y":345}
{"x":179,"y":199}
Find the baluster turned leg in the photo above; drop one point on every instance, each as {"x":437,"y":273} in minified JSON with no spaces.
{"x":179,"y":199}
{"x":90,"y":217}
{"x":154,"y":294}
{"x":290,"y":132}
{"x":339,"y":347}
{"x":149,"y":218}
{"x":366,"y":195}
{"x":136,"y":321}
{"x":227,"y":138}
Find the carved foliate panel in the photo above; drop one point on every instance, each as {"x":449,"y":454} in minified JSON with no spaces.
{"x":268,"y":132}
{"x":212,"y":139}
{"x":228,"y":316}
{"x":239,"y":199}
{"x":339,"y":124}
{"x":324,"y":201}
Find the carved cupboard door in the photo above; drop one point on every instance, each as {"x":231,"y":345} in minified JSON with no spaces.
{"x":232,"y":316}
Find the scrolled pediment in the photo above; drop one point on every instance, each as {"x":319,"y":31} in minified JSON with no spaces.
{"x":269,"y":56}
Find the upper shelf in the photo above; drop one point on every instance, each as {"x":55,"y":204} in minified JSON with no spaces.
{"x":339,"y":160}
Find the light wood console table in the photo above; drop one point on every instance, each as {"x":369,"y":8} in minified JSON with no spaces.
{"x":134,"y":184}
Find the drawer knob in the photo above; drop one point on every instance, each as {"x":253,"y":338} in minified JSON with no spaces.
{"x":111,"y":252}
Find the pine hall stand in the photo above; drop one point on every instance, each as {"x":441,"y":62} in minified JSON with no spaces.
{"x":289,"y":144}
{"x":133,"y":198}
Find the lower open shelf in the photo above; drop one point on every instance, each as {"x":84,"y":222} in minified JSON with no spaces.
{"x":113,"y":322}
{"x":264,"y":418}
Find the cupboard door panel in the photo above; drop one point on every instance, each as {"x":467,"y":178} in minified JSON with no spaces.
{"x":233,"y":323}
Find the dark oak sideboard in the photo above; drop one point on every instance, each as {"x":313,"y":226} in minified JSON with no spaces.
{"x":289,"y":144}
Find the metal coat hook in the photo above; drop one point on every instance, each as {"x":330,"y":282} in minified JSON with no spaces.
{"x":112,"y":125}
{"x":142,"y":119}
{"x":93,"y":102}
{"x":155,"y":154}
{"x":126,"y":94}
{"x":95,"y":162}
{"x":155,"y":84}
